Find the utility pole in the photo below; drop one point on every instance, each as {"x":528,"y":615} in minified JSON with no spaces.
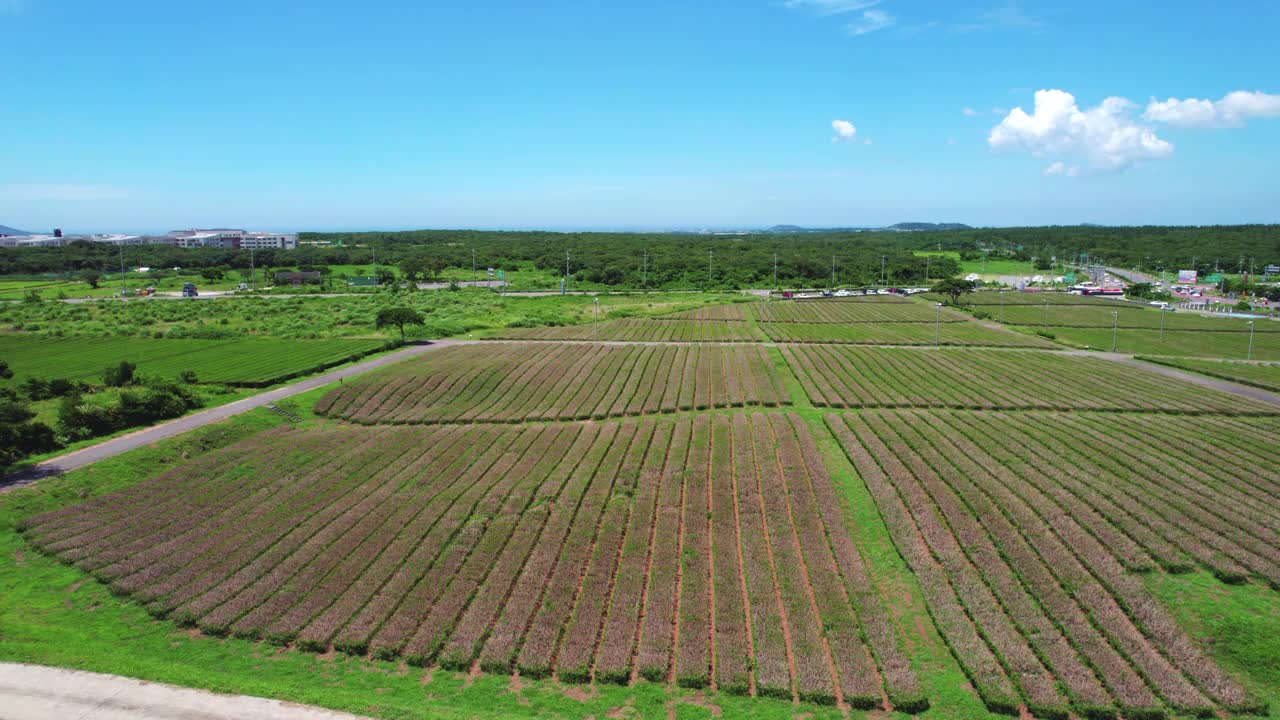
{"x":883,"y":277}
{"x":775,"y":270}
{"x":833,"y":271}
{"x":645,"y":281}
{"x":253,"y":272}
{"x":927,"y":259}
{"x":1250,"y":355}
{"x":937,"y":325}
{"x":710,"y":255}
{"x":595,"y":321}
{"x":1162,"y":314}
{"x":1001,"y":306}
{"x":566,"y":269}
{"x":1046,"y":314}
{"x":123,"y":289}
{"x":1115,"y":329}
{"x":473,"y":265}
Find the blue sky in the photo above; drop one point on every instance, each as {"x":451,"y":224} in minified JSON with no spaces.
{"x":151,"y":115}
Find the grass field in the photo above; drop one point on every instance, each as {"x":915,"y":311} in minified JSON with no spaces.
{"x":303,"y":317}
{"x":1261,"y":375}
{"x":247,"y":363}
{"x":982,"y":534}
{"x":903,"y":333}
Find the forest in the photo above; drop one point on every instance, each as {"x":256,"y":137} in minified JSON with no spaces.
{"x":674,"y":260}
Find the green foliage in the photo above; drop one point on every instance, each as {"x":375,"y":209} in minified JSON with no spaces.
{"x":213,"y":274}
{"x":93,"y":277}
{"x":398,"y":316}
{"x":953,"y":288}
{"x":119,"y":375}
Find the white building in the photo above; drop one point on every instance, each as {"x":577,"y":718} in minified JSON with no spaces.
{"x":233,"y":238}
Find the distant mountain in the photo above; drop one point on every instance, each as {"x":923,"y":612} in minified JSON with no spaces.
{"x":913,"y":226}
{"x":787,"y":229}
{"x":6,"y":230}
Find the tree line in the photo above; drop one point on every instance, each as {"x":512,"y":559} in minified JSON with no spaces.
{"x":672,"y":260}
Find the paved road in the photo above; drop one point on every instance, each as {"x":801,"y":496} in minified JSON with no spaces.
{"x":146,"y":436}
{"x":32,"y":692}
{"x":1201,"y":380}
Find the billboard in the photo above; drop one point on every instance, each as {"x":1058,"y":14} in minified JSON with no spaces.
{"x":1214,"y":278}
{"x":1186,"y":276}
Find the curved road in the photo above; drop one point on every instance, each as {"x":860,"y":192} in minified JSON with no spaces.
{"x":146,"y":436}
{"x":33,"y":692}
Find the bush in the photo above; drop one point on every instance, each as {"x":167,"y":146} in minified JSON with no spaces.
{"x":188,"y":377}
{"x":120,"y":375}
{"x":1047,"y":334}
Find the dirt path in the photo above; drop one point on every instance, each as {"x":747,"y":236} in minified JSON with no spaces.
{"x":155,"y":433}
{"x":32,"y":692}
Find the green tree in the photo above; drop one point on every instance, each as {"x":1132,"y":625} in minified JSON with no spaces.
{"x":213,"y":274}
{"x":399,"y":317}
{"x":954,"y":287}
{"x":6,"y":373}
{"x":92,"y":277}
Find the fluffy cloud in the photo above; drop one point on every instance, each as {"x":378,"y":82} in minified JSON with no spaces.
{"x":1103,"y":138}
{"x":871,"y":21}
{"x":1231,"y":111}
{"x":845,"y":131}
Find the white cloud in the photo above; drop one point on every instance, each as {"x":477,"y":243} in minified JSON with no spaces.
{"x":871,"y":21}
{"x":845,"y":131}
{"x":968,"y":112}
{"x":1231,"y":111}
{"x":37,"y":191}
{"x":831,"y":7}
{"x":1104,"y":138}
{"x":999,"y":111}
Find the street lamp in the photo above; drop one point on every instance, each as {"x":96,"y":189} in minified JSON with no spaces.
{"x":1250,"y":355}
{"x":1115,"y":329}
{"x":937,"y":325}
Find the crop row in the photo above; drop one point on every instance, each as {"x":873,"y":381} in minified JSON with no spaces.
{"x":900,"y":333}
{"x":252,"y":362}
{"x":706,"y":550}
{"x":987,"y":379}
{"x":1261,"y":375}
{"x":1023,"y":549}
{"x":1231,"y":345}
{"x":511,"y":382}
{"x":1126,"y":315}
{"x":642,"y":330}
{"x":875,"y":309}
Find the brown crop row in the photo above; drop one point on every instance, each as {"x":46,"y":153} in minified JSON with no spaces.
{"x":845,"y":377}
{"x":1021,"y":551}
{"x":517,"y":382}
{"x":693,"y":550}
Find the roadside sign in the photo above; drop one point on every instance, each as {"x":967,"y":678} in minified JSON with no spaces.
{"x":490,"y":272}
{"x":1273,"y":269}
{"x":1187,"y":276}
{"x":502,"y":274}
{"x":1069,"y":278}
{"x":1214,"y":278}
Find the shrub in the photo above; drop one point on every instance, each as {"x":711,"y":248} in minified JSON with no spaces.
{"x":119,"y":375}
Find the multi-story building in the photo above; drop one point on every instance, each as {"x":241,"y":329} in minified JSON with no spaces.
{"x":223,"y":238}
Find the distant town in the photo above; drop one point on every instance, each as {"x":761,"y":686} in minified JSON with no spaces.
{"x":220,"y":238}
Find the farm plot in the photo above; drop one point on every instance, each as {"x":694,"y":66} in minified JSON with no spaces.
{"x":997,"y":379}
{"x":710,"y":551}
{"x":512,"y":382}
{"x":1182,"y":343}
{"x":902,"y":333}
{"x":1023,"y":530}
{"x":1261,"y":375}
{"x":1129,"y":316}
{"x":642,"y":330}
{"x":986,"y":298}
{"x":875,"y":309}
{"x":250,"y":362}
